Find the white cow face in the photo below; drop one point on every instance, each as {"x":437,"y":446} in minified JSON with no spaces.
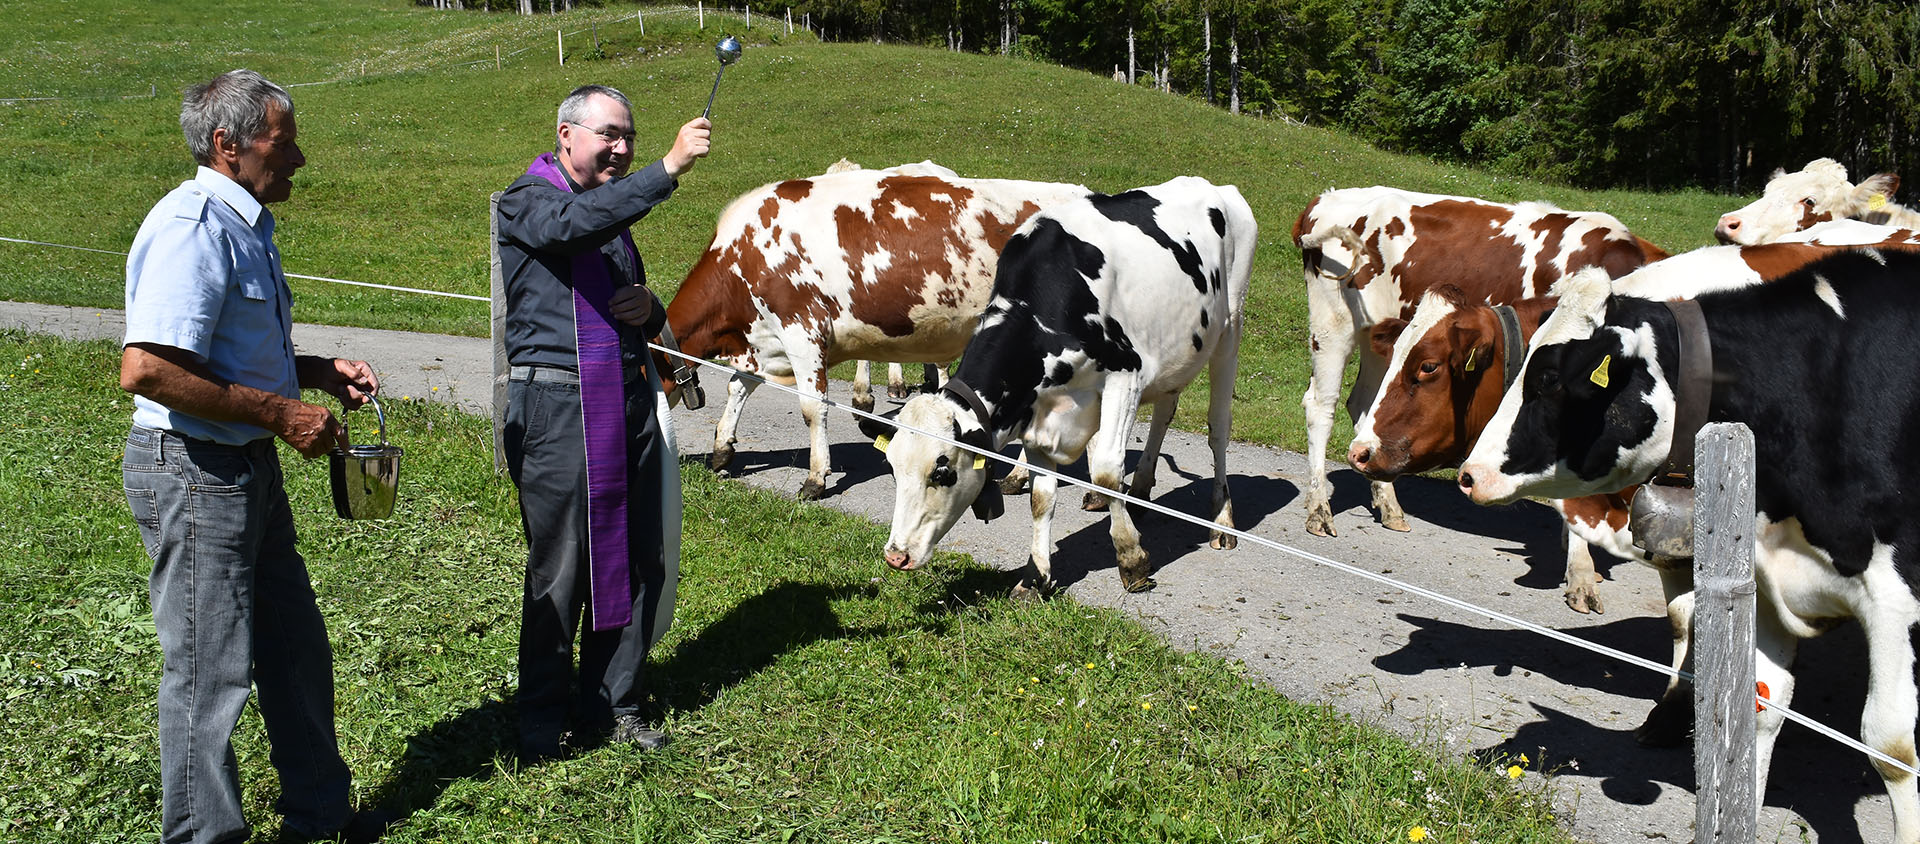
{"x":1592,"y":410}
{"x":1795,"y":201}
{"x":933,"y":482}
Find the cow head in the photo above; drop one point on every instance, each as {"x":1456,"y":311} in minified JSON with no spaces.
{"x":1794,"y":201}
{"x":933,"y":482}
{"x":1437,"y":392}
{"x":1592,"y":409}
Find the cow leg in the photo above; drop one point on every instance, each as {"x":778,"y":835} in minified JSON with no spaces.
{"x":896,"y":381}
{"x":1221,"y":372}
{"x":1582,"y":592}
{"x":738,"y":388}
{"x":1141,"y":484}
{"x":1106,"y":463}
{"x":1330,"y":345}
{"x":811,"y":410}
{"x":1775,"y":646}
{"x":1886,"y":724}
{"x":863,"y":384}
{"x":1366,"y":386}
{"x":1015,"y":481}
{"x":932,"y":377}
{"x":1037,"y":582}
{"x":1671,"y":721}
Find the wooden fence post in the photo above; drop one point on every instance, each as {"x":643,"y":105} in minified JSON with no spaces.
{"x":1726,"y":808}
{"x":702,"y":7}
{"x":560,"y":47}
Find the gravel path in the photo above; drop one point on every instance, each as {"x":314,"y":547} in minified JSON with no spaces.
{"x":1416,"y":667}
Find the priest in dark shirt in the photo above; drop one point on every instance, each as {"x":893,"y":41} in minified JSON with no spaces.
{"x":586,"y":433}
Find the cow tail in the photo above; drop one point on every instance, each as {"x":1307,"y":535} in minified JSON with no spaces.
{"x":1347,"y":237}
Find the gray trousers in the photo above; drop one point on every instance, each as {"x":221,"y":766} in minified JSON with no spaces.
{"x":234,"y":610}
{"x":546,"y":457}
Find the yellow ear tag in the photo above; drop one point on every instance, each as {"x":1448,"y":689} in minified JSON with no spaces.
{"x":1599,"y":376}
{"x":1470,"y":353}
{"x":979,"y":462}
{"x":1876,"y":202}
{"x":881,"y":442}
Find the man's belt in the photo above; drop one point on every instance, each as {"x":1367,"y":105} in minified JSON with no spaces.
{"x":553,"y":375}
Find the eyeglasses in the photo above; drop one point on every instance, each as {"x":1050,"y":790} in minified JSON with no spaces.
{"x":610,"y":137}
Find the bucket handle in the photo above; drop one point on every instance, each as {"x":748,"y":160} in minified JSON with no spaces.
{"x":345,"y":442}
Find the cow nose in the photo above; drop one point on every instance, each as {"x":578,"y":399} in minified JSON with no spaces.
{"x":899,"y":560}
{"x":1728,"y":228}
{"x":1359,"y":456}
{"x":1466,"y":481}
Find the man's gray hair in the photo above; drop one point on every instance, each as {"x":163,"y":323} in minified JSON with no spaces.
{"x":236,"y":101}
{"x":575,"y":105}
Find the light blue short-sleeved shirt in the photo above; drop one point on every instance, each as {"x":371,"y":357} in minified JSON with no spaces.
{"x":204,"y":277}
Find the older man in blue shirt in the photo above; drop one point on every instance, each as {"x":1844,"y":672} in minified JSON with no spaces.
{"x":209,"y":358}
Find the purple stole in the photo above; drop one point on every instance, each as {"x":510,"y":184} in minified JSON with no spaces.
{"x":603,"y":415}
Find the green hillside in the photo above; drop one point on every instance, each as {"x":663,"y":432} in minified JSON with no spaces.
{"x":414,"y":126}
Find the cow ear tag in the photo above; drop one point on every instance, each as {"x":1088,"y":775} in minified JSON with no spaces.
{"x":1470,"y":353}
{"x":1876,"y":202}
{"x":979,"y":462}
{"x":881,"y":442}
{"x":1599,"y":377}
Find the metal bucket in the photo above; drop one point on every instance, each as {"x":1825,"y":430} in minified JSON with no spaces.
{"x":366,"y":478}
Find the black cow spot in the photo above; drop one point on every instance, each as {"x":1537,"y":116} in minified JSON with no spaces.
{"x":1196,"y":342}
{"x":1135,"y":208}
{"x":1203,"y":317}
{"x":1219,"y":221}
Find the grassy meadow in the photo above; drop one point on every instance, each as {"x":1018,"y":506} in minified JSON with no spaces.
{"x":405,"y":140}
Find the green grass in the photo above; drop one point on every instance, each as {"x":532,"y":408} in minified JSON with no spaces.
{"x":813,"y":696}
{"x":407,"y":142}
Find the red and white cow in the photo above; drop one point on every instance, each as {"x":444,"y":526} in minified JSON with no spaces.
{"x":858,"y":265}
{"x":1100,"y":305}
{"x":931,"y":373}
{"x":1816,"y":364}
{"x":1370,"y":253}
{"x":1818,"y":193}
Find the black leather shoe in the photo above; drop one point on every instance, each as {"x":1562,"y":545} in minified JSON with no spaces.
{"x":365,"y":827}
{"x":631,"y":729}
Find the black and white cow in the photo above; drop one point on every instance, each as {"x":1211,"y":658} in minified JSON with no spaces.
{"x":1099,"y":305}
{"x":1819,"y":364}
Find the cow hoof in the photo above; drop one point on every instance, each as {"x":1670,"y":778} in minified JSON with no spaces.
{"x":863,"y":403}
{"x":1094,"y":503}
{"x":1138,"y":586}
{"x":1320,"y":522}
{"x":721,"y":457}
{"x":1584,"y":599}
{"x":1013,"y":484}
{"x":1396,"y":522}
{"x":898,"y":391}
{"x":1223,"y":541}
{"x":1029,"y":591}
{"x":812,"y":490}
{"x":1668,"y":725}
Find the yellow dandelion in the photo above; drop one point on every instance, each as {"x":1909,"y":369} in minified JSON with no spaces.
{"x":1514,"y":772}
{"x":1089,"y":665}
{"x":1192,"y":708}
{"x":1146,"y":705}
{"x":1034,"y":680}
{"x":1523,"y":758}
{"x":1418,"y":833}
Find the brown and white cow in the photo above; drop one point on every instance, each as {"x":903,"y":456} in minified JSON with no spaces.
{"x":1817,"y":193}
{"x":1370,"y":253}
{"x":858,"y":265}
{"x":932,"y":375}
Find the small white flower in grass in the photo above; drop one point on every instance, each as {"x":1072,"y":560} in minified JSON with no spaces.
{"x":1039,"y":743}
{"x":1419,"y":776}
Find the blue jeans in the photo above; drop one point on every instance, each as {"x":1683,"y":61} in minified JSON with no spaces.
{"x":234,"y":610}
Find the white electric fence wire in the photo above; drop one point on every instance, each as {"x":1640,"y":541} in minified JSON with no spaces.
{"x":1309,"y":556}
{"x":289,"y":275}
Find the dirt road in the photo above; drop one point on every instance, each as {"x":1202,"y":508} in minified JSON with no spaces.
{"x":1421,"y":669}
